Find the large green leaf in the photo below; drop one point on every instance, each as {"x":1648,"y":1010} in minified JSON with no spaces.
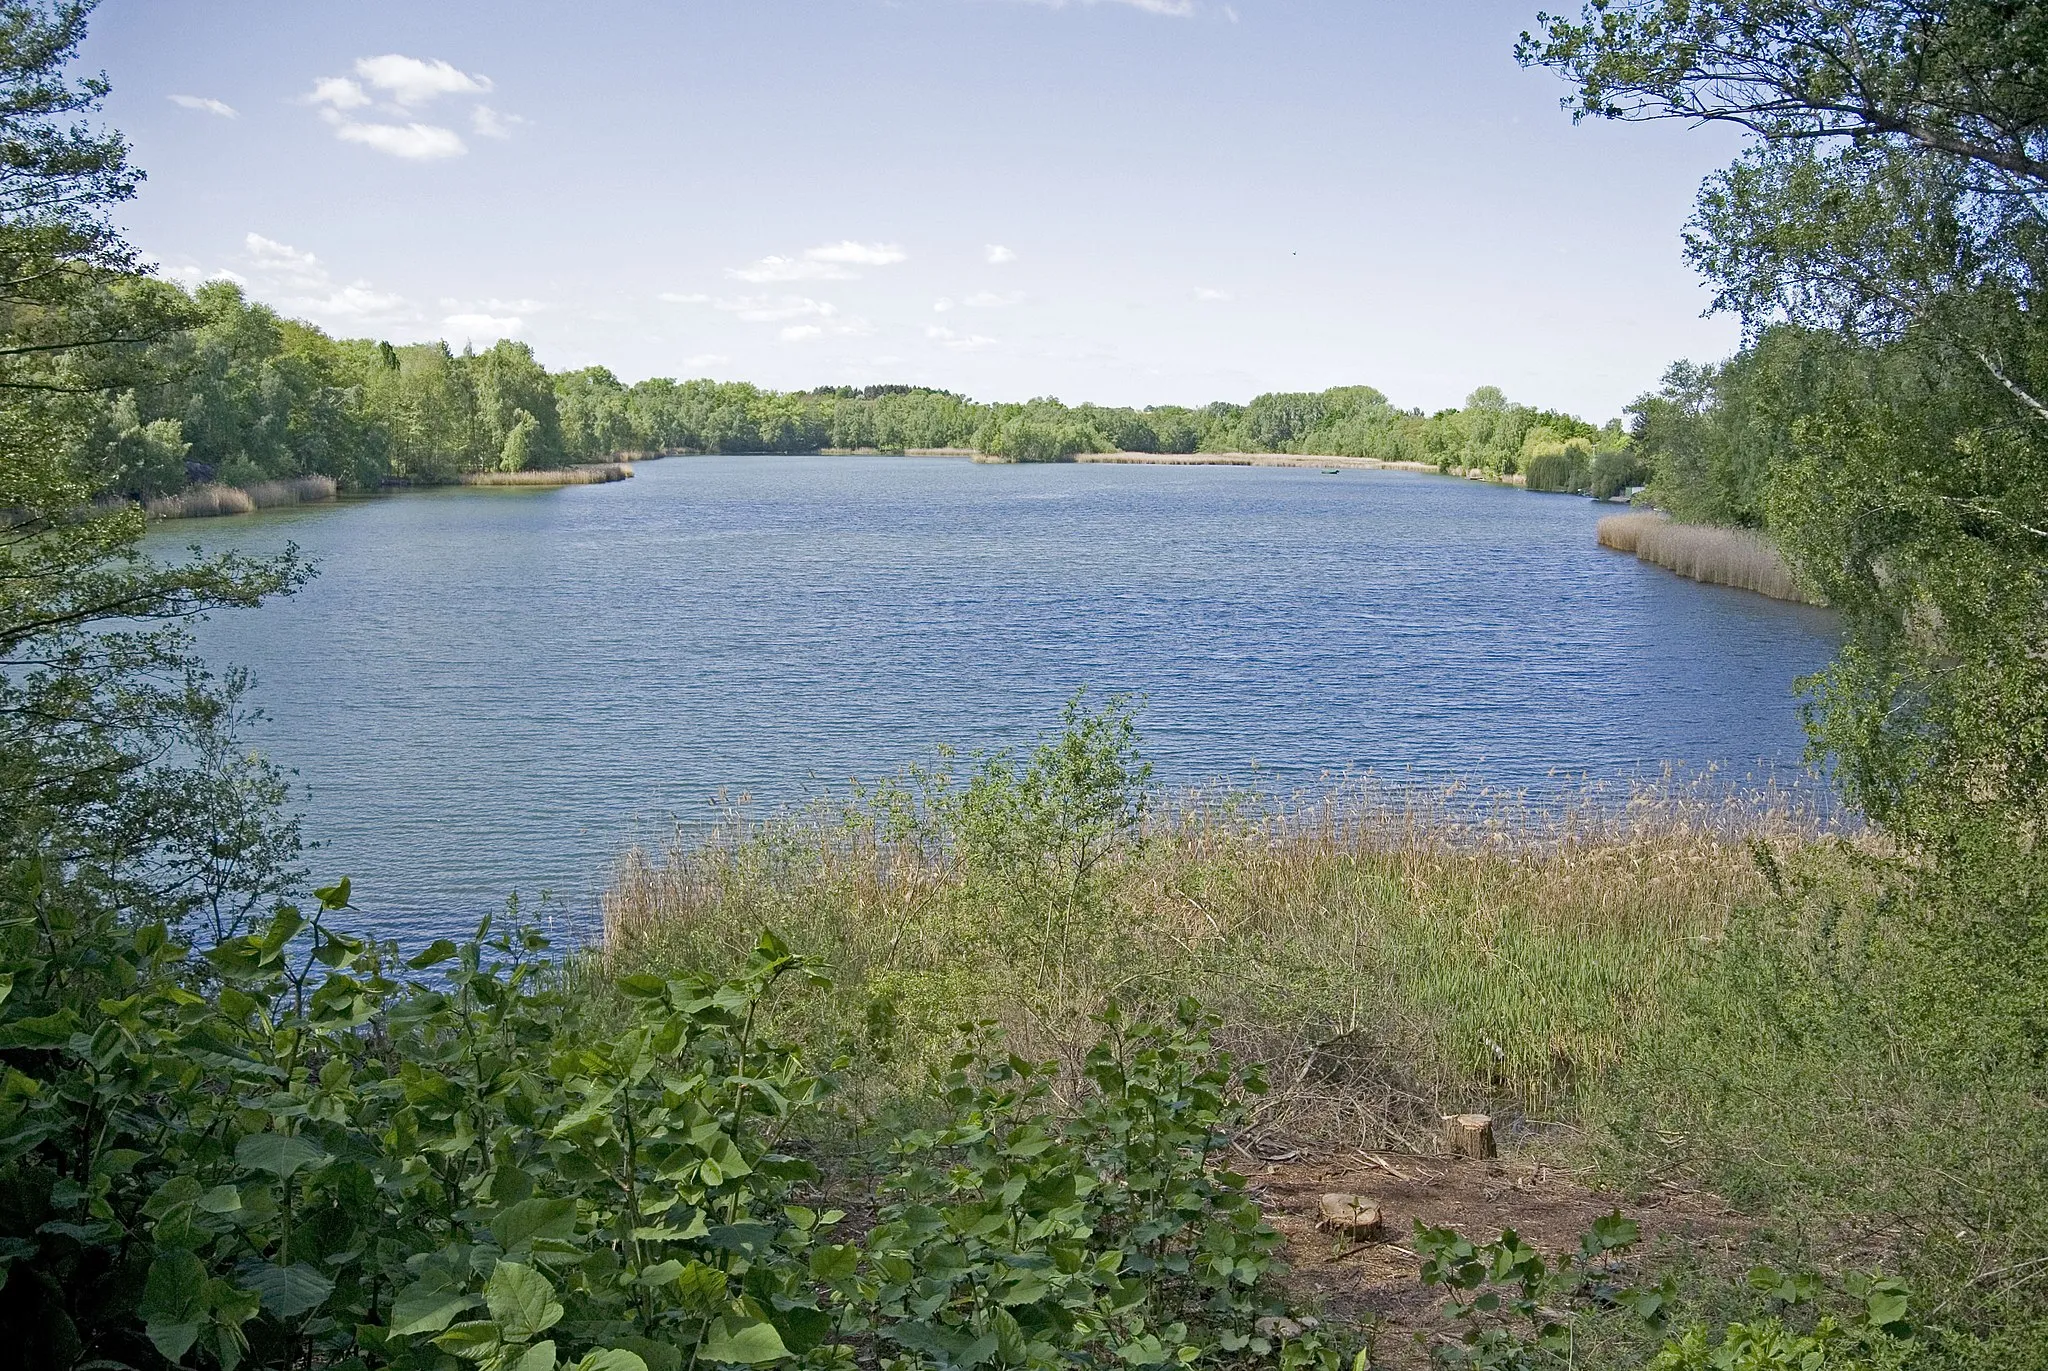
{"x":280,"y":1154}
{"x":174,"y":1302}
{"x":517,"y":1226}
{"x":521,"y":1301}
{"x":539,"y":1357}
{"x":419,"y":1309}
{"x":742,"y":1342}
{"x":286,"y":1291}
{"x":611,"y":1359}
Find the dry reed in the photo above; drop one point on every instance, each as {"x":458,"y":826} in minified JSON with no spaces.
{"x":1388,"y":955}
{"x":597,"y":474}
{"x":207,"y":501}
{"x":1711,"y":553}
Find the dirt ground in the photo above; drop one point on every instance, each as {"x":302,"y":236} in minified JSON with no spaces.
{"x":1377,"y":1283}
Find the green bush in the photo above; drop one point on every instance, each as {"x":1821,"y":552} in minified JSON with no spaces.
{"x":297,"y":1150}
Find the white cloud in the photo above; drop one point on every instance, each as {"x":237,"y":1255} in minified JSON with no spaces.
{"x":676,"y":298}
{"x":942,"y":304}
{"x":299,"y":284}
{"x":406,"y":84}
{"x":775,"y":309}
{"x":410,"y":81}
{"x":206,"y":104}
{"x":802,"y":333}
{"x":1210,"y":293}
{"x":358,"y":303}
{"x":192,"y":276}
{"x":414,"y":142}
{"x":832,"y":262}
{"x":707,"y":359}
{"x":338,"y":92}
{"x":859,"y":254}
{"x":988,"y":299}
{"x":283,"y":263}
{"x":790,"y":269}
{"x":486,"y":122}
{"x":480,"y":328}
{"x":998,"y":255}
{"x":963,"y":342}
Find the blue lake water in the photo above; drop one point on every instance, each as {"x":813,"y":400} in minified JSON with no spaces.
{"x":490,"y":690}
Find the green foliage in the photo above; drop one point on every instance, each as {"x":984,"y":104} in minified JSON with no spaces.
{"x":1017,"y":1237}
{"x":1872,"y":1335}
{"x":1505,"y":1294}
{"x":1518,"y":1311}
{"x":1048,"y":839}
{"x":1882,"y":239}
{"x":297,"y":1148}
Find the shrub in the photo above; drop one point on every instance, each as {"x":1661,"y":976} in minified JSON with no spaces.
{"x":298,"y":1150}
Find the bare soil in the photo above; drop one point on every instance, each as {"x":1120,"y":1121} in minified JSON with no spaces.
{"x":1377,"y":1283}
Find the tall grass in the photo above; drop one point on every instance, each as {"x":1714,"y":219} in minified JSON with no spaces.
{"x":1719,"y":556}
{"x":1391,"y":955}
{"x":206,"y":501}
{"x":596,"y":474}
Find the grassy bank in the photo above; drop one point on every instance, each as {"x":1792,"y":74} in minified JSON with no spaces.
{"x":1390,"y":955}
{"x":207,"y":501}
{"x":592,"y":475}
{"x":1664,"y":988}
{"x":1719,"y":556}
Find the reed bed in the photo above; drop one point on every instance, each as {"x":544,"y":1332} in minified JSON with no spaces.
{"x":208,"y":501}
{"x":1388,"y":954}
{"x":592,"y":475}
{"x":1711,"y":553}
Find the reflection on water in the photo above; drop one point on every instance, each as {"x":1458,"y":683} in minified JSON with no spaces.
{"x":489,"y":690}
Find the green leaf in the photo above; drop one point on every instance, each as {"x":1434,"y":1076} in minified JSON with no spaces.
{"x":521,"y":1301}
{"x":173,"y":1302}
{"x":175,"y":1291}
{"x":476,"y":1340}
{"x":742,"y":1342}
{"x":834,"y":1261}
{"x":278,"y":1153}
{"x":422,"y":1310}
{"x":286,"y":1291}
{"x":539,"y":1357}
{"x":1886,"y":1309}
{"x":439,"y":950}
{"x":657,"y":1356}
{"x":222,"y":1199}
{"x":517,"y":1226}
{"x":642,"y":987}
{"x":48,"y":1030}
{"x":611,"y":1359}
{"x":284,"y":925}
{"x":6,"y":985}
{"x":333,"y":896}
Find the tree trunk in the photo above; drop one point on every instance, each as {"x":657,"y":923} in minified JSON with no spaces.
{"x":1468,"y":1135}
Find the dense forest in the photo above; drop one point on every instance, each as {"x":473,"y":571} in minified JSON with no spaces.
{"x":233,"y":393}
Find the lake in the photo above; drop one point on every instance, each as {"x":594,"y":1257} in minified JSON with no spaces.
{"x":496,"y":690}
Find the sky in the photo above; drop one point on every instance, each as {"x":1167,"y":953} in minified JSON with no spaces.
{"x":1119,"y":201}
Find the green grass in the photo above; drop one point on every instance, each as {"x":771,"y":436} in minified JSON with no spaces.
{"x":1390,"y":956}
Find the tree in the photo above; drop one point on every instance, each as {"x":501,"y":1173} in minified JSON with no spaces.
{"x":101,"y":702}
{"x":1884,"y":238}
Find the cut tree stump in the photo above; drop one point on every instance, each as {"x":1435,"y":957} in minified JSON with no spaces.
{"x":1353,"y":1216}
{"x":1468,"y":1135}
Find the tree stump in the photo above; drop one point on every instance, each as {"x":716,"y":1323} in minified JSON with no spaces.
{"x":1468,"y":1135}
{"x":1351,"y":1216}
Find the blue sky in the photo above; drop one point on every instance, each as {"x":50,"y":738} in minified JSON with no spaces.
{"x":1124,"y":201}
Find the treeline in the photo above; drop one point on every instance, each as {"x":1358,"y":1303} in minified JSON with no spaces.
{"x":236,"y":394}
